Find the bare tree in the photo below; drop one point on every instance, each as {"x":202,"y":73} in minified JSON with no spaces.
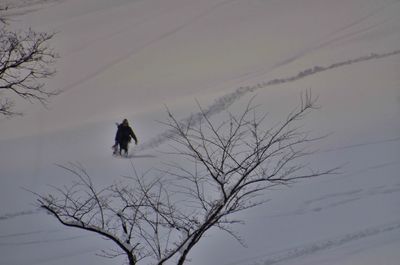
{"x":112,"y":212}
{"x":25,"y":60}
{"x":227,"y":168}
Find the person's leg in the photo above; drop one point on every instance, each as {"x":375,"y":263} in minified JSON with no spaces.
{"x":123,"y":146}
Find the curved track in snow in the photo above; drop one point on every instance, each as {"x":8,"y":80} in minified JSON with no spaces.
{"x":224,"y":102}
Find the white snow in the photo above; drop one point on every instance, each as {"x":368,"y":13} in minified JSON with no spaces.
{"x":129,"y":58}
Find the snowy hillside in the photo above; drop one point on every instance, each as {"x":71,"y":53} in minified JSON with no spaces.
{"x":131,"y":58}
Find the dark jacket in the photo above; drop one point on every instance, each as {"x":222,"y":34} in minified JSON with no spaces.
{"x":124,"y":134}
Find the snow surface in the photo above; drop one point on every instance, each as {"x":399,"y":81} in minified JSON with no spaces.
{"x":130,"y":58}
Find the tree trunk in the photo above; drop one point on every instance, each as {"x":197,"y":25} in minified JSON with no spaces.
{"x":132,"y":259}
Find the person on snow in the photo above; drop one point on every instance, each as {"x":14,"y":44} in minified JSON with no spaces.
{"x":123,"y":137}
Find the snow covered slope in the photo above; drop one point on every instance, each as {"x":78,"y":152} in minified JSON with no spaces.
{"x":129,"y":58}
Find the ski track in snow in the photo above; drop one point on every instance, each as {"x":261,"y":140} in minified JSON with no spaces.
{"x":22,"y":234}
{"x":313,"y":248}
{"x":224,"y":102}
{"x":18,"y":8}
{"x":336,"y":199}
{"x":329,"y":39}
{"x":11,"y":4}
{"x":299,"y":54}
{"x":330,"y":243}
{"x":361,"y":145}
{"x":17,"y":214}
{"x":291,"y":58}
{"x":127,"y":55}
{"x":46,"y":241}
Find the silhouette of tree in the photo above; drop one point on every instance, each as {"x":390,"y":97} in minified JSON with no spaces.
{"x":224,"y":168}
{"x":25,"y":61}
